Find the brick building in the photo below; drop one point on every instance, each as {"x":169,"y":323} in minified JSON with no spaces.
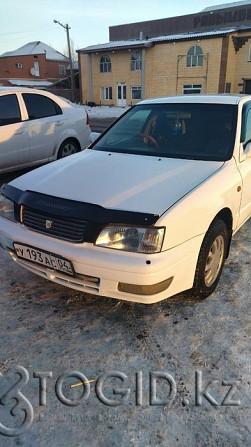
{"x":207,"y":52}
{"x":33,"y":65}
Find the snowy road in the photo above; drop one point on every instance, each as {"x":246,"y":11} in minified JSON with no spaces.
{"x":202,"y":348}
{"x":100,"y":124}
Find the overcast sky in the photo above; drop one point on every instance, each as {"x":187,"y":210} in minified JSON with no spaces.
{"x":24,"y":21}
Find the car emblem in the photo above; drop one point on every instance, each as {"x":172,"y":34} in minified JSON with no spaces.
{"x":48,"y":224}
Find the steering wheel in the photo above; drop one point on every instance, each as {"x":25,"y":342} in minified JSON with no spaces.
{"x":150,"y":138}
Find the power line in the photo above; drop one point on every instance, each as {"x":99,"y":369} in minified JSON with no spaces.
{"x":27,"y":31}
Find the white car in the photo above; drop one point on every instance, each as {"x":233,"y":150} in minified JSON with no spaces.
{"x":37,"y":127}
{"x":147,"y":211}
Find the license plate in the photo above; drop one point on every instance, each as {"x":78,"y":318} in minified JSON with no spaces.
{"x":45,"y":258}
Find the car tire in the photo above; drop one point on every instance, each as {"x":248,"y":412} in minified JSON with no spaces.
{"x":211,"y":259}
{"x":68,"y":147}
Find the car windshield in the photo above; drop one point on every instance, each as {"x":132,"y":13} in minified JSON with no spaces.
{"x":191,"y":131}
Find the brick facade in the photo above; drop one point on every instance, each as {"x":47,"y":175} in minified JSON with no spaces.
{"x":32,"y":67}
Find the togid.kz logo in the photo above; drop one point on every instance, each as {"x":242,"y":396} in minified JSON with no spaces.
{"x":142,"y":389}
{"x":17,"y":405}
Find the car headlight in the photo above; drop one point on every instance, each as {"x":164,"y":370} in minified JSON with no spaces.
{"x":136,"y":239}
{"x":6,"y":208}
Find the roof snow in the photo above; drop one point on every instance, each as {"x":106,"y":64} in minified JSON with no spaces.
{"x":149,"y":42}
{"x":30,"y":83}
{"x":227,"y":5}
{"x":34,"y":48}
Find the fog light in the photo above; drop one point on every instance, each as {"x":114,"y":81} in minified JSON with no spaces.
{"x":145,"y":290}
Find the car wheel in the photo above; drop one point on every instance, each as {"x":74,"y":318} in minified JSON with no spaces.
{"x":68,"y":147}
{"x":211,"y":259}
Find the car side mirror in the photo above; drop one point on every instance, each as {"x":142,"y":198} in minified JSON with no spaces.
{"x":93,"y":136}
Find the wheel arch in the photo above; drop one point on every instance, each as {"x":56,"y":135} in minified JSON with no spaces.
{"x":226,"y":216}
{"x":65,"y":140}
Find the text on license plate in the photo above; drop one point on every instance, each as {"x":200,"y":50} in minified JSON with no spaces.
{"x":47,"y":259}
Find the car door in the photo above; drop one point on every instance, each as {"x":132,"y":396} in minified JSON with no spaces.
{"x":245,"y":166}
{"x":14,"y":137}
{"x":45,"y":125}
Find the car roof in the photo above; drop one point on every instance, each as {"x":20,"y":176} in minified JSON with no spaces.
{"x":189,"y":99}
{"x":63,"y":102}
{"x":20,"y":89}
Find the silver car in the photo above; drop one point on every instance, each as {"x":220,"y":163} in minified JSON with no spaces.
{"x":37,"y":127}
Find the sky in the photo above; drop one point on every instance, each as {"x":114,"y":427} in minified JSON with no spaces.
{"x":24,"y":21}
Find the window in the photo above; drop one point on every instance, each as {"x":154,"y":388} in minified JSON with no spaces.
{"x":247,"y":86}
{"x":248,"y":127}
{"x":190,"y":89}
{"x":39,"y":106}
{"x":136,"y":92}
{"x":105,"y":64}
{"x":18,"y":65}
{"x":106,"y":93}
{"x":62,"y":70}
{"x":9,"y":110}
{"x":136,"y":61}
{"x":246,"y":124}
{"x":190,"y":131}
{"x":195,"y":57}
{"x":36,"y":68}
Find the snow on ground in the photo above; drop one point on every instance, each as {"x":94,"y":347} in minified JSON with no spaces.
{"x":47,"y":327}
{"x":101,"y":111}
{"x":105,"y":111}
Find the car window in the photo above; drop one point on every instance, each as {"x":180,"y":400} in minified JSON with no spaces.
{"x":248,"y":128}
{"x":39,"y":106}
{"x":131,"y":125}
{"x":9,"y":110}
{"x":192,"y":131}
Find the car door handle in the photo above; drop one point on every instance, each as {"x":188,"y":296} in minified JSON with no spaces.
{"x":19,"y":132}
{"x":59,"y":123}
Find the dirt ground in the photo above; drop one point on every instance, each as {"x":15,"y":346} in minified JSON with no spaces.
{"x":51,"y":329}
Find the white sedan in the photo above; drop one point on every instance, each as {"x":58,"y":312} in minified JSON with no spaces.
{"x":37,"y":127}
{"x":146,"y":211}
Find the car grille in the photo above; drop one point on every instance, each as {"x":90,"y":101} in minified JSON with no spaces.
{"x":56,"y":226}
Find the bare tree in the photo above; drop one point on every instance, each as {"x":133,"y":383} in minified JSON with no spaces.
{"x":74,"y":55}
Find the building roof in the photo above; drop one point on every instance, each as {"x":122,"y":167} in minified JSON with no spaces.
{"x":137,"y":43}
{"x":115,"y":45}
{"x":227,"y":5}
{"x":35,"y":48}
{"x":216,"y":18}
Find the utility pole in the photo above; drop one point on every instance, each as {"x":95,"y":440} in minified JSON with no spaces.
{"x":67,"y":28}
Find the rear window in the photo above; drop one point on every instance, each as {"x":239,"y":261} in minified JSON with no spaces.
{"x":39,"y":106}
{"x":9,"y":110}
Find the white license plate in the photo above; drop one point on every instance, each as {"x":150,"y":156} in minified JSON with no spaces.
{"x":45,"y":258}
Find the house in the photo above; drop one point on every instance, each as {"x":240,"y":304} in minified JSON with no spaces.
{"x":207,"y":52}
{"x":33,"y":65}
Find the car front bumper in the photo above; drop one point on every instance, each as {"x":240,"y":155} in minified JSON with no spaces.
{"x":117,"y":274}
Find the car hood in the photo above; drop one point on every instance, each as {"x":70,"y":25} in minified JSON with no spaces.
{"x":119,"y":181}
